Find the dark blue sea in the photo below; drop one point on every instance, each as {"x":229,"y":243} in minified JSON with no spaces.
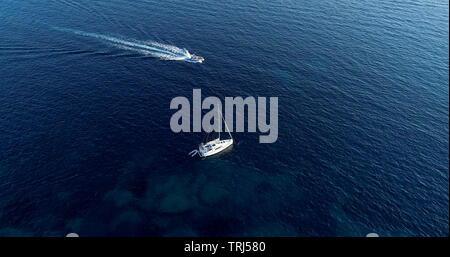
{"x":363,"y":145}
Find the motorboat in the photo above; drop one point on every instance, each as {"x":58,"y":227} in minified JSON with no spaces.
{"x":194,"y":58}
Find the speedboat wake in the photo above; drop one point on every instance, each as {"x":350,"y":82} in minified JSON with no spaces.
{"x":150,"y":48}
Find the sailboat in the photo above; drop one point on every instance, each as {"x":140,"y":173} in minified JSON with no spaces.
{"x":214,"y":146}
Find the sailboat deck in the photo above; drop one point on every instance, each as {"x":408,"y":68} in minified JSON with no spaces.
{"x":214,"y":146}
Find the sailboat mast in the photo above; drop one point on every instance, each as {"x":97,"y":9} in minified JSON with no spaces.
{"x":220,"y":126}
{"x":226,"y":126}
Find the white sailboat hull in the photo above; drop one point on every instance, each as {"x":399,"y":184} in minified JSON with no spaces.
{"x":213,"y":147}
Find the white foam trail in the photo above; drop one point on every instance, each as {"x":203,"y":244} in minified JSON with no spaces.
{"x":155,"y":49}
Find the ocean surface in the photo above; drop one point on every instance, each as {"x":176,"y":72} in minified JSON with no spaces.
{"x":86,"y":146}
